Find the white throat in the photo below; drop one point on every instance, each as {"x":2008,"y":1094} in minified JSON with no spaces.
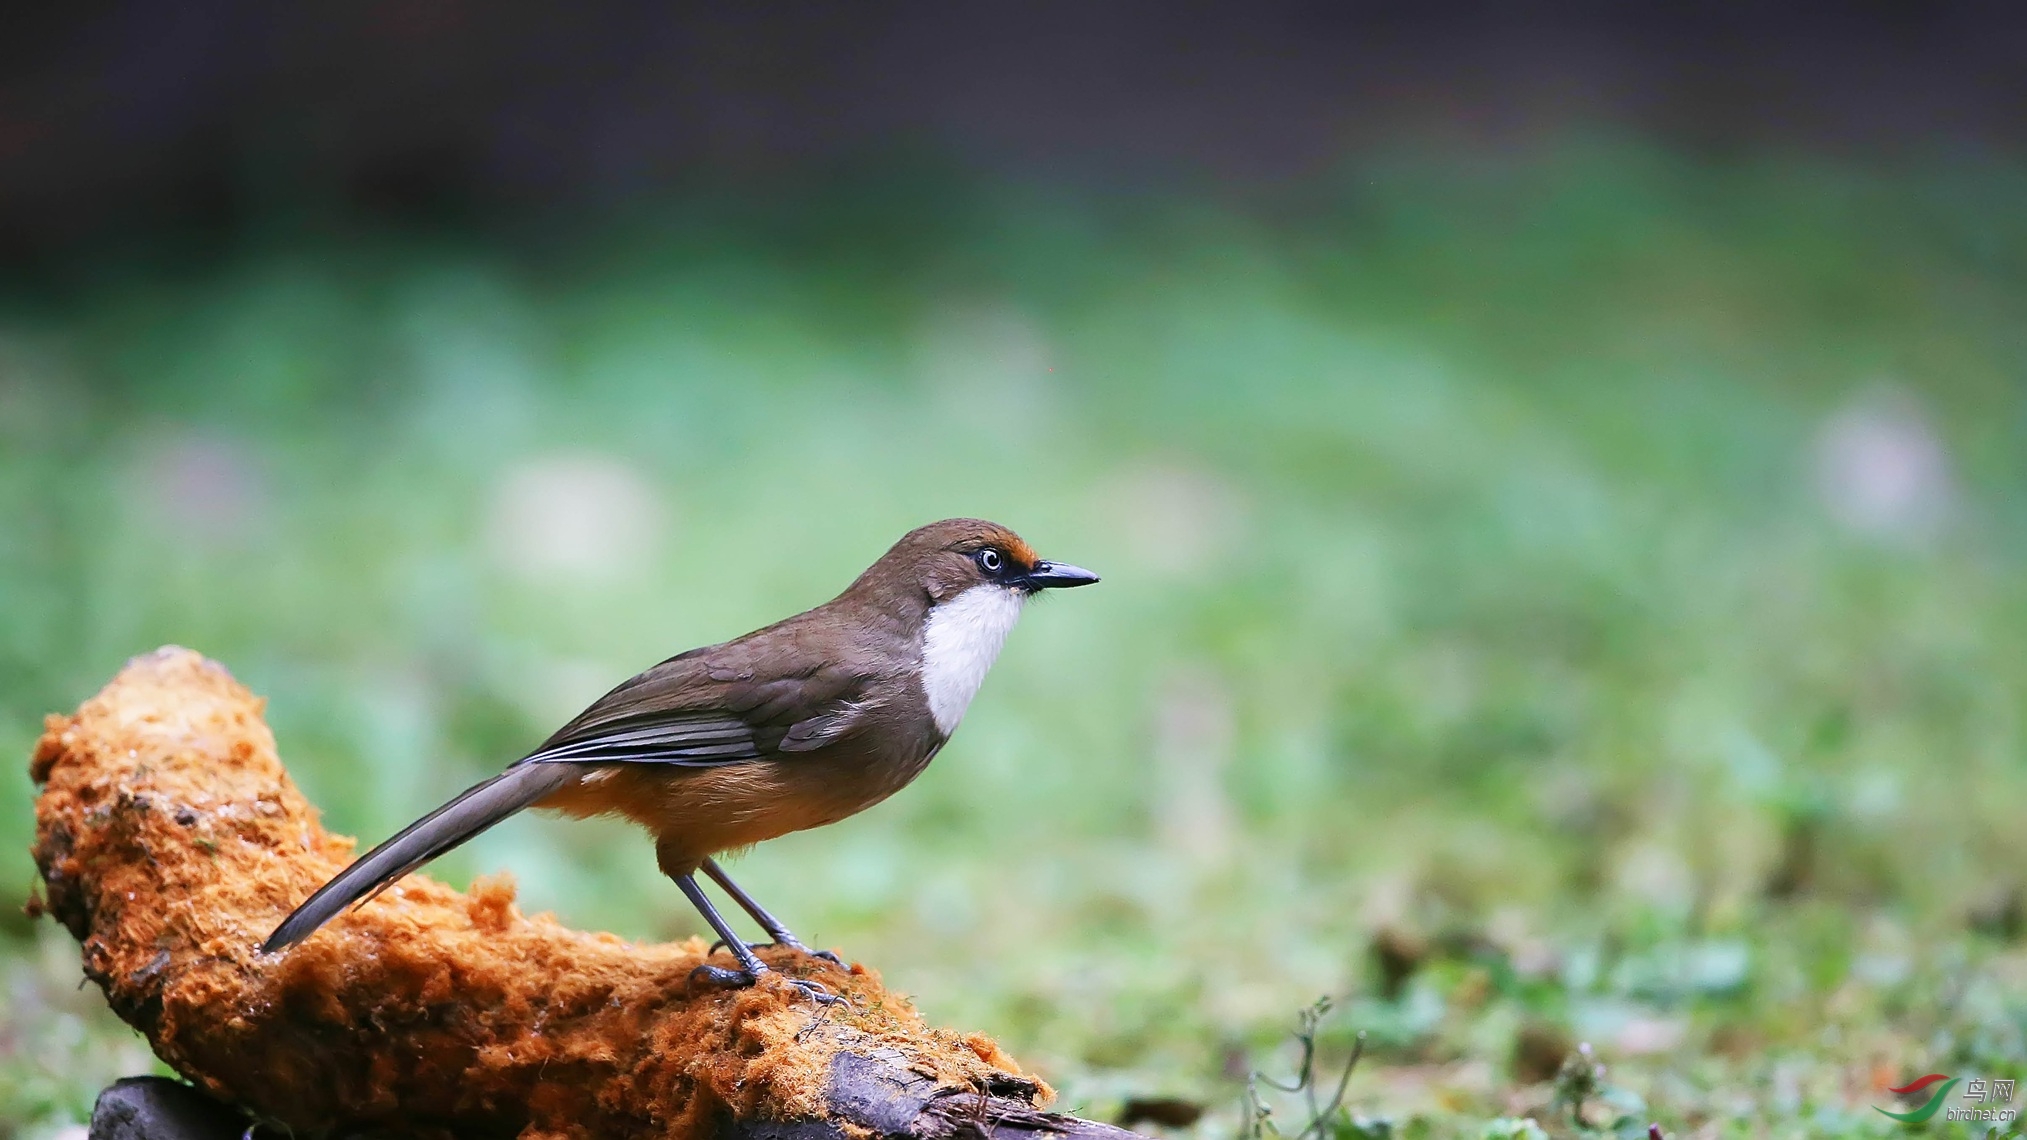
{"x":959,"y":644}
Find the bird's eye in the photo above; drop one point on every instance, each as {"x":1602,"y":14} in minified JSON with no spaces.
{"x":990,"y":561}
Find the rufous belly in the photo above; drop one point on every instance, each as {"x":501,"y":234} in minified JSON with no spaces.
{"x":695,"y":813}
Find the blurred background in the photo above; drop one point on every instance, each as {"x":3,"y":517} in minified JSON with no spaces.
{"x":1558,"y":477}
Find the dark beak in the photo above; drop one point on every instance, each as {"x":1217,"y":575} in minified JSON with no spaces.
{"x":1056,"y":576}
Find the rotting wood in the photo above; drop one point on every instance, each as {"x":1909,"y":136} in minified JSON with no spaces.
{"x":170,"y":840}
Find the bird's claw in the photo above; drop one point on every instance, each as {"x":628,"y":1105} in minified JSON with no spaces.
{"x":740,"y":979}
{"x":815,"y":992}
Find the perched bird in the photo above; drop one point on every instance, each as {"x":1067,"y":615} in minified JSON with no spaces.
{"x":790,"y":727}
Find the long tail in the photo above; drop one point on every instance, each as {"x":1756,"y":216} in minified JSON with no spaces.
{"x":478,"y":808}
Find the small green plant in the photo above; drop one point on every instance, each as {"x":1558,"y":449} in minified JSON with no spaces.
{"x":1581,"y":1091}
{"x":1579,"y":1081}
{"x":1327,"y":1120}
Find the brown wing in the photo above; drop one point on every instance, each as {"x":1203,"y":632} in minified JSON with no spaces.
{"x":716,"y":706}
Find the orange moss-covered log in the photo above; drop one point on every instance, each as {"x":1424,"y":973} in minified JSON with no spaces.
{"x":171,"y":840}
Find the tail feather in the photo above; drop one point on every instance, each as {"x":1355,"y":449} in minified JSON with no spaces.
{"x":478,"y":808}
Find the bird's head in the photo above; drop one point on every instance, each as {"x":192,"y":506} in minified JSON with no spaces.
{"x":975,"y":576}
{"x":942,"y":562}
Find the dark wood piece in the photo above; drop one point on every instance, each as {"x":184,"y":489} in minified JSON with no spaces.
{"x":157,"y":1108}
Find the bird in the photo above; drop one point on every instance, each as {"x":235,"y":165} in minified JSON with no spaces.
{"x":793,"y":726}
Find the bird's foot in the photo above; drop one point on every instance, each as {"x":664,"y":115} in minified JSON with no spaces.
{"x":748,"y":976}
{"x":790,"y":943}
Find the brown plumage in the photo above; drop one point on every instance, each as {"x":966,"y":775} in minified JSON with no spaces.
{"x":793,"y":726}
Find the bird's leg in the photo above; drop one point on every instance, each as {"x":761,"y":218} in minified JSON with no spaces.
{"x":780,"y":934}
{"x":751,"y":968}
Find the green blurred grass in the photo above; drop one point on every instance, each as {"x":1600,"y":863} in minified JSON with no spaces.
{"x":1471,"y":574}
